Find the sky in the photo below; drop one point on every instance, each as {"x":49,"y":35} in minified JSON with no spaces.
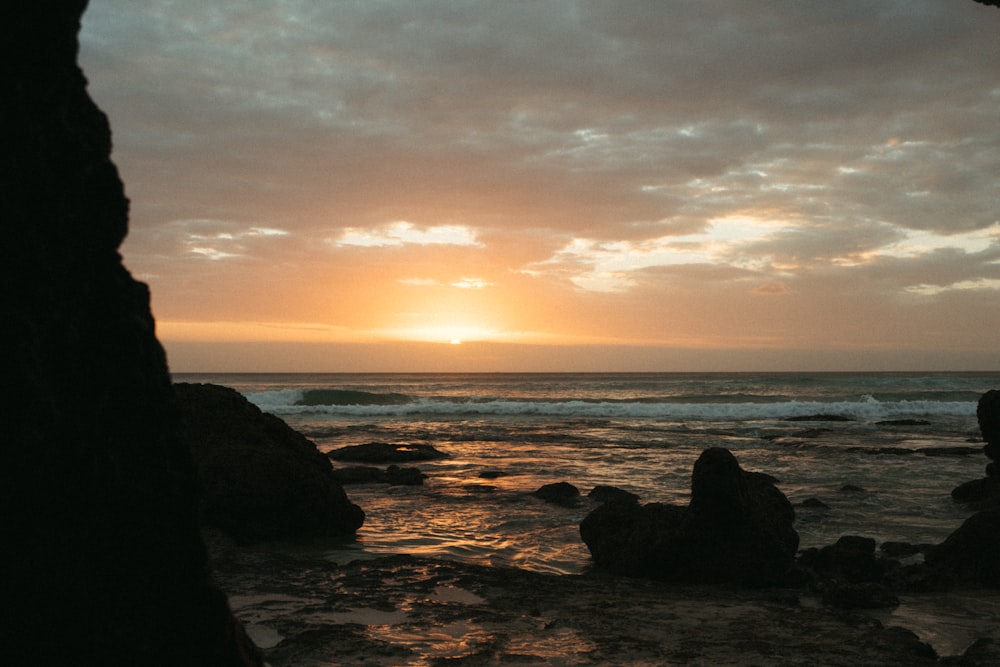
{"x":561,"y":185}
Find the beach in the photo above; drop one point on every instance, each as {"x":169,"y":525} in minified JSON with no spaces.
{"x":452,"y":563}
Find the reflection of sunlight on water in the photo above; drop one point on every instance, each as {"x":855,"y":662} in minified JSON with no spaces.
{"x":566,"y":645}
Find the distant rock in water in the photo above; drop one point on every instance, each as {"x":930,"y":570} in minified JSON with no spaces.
{"x":559,"y":493}
{"x":985,"y":493}
{"x":737,"y":527}
{"x":384,"y":452}
{"x":261,"y":479}
{"x":819,"y":418}
{"x":347,"y":397}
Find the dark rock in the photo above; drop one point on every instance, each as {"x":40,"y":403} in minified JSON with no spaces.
{"x":852,"y":488}
{"x":851,"y":558}
{"x":988,"y":415}
{"x":103,"y":563}
{"x":396,"y":476}
{"x":604,"y":494}
{"x":737,"y":527}
{"x":384,"y":452}
{"x":261,"y":479}
{"x":819,"y":418}
{"x":559,"y":493}
{"x":491,"y":474}
{"x":983,"y":652}
{"x":815,"y":503}
{"x":970,"y":554}
{"x":978,"y":492}
{"x":903,"y":422}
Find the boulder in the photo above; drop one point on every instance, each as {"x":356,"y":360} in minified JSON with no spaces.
{"x":971,"y":554}
{"x":988,"y":415}
{"x":851,"y":559}
{"x":603,"y":494}
{"x":737,"y":527}
{"x":559,"y":493}
{"x":103,"y":563}
{"x":384,"y":452}
{"x":261,"y":480}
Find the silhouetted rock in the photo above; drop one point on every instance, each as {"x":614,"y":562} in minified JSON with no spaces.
{"x":559,"y":493}
{"x":851,"y":558}
{"x":971,"y":554}
{"x":102,"y":562}
{"x":384,"y":452}
{"x":819,"y":418}
{"x":985,"y":493}
{"x":393,"y":475}
{"x":603,"y":494}
{"x":815,"y":503}
{"x":261,"y":479}
{"x":737,"y":527}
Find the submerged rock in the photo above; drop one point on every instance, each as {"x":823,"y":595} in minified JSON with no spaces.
{"x":737,"y":527}
{"x":384,"y":452}
{"x":559,"y":493}
{"x":261,"y":479}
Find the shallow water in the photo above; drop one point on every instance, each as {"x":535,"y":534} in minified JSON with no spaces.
{"x":642,"y":433}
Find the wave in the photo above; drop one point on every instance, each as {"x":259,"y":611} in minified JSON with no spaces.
{"x":338,"y":403}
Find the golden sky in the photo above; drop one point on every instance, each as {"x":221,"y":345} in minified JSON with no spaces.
{"x":560,"y":185}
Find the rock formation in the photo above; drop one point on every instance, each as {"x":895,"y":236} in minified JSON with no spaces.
{"x":261,"y":480}
{"x":737,"y":527}
{"x":102,"y":559}
{"x":985,"y":492}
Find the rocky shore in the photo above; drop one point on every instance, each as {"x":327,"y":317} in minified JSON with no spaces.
{"x":402,"y":610}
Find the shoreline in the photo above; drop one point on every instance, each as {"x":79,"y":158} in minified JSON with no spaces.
{"x":307,"y":611}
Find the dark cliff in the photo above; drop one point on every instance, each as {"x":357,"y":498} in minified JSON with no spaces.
{"x":102,"y":559}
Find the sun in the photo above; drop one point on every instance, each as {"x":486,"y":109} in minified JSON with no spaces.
{"x":455,"y":341}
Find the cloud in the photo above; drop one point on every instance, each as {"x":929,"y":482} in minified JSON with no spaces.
{"x":402,"y":233}
{"x":582,"y":152}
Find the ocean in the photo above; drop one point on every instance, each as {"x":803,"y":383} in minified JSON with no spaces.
{"x":880,"y":451}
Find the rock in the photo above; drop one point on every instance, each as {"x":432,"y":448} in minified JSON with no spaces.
{"x":978,"y":492}
{"x":604,"y":494}
{"x":103,"y":563}
{"x":737,"y":527}
{"x":851,"y":558}
{"x":396,"y":476}
{"x":970,"y":554}
{"x":983,"y":652}
{"x":903,"y":422}
{"x":815,"y":503}
{"x":988,"y":415}
{"x":819,"y":418}
{"x":261,"y":479}
{"x":492,"y":474}
{"x":852,"y":488}
{"x":559,"y":493}
{"x":384,"y":452}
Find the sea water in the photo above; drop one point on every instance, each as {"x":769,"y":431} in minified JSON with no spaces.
{"x":880,"y":451}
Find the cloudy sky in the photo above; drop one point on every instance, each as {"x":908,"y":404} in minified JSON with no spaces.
{"x":559,"y":185}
